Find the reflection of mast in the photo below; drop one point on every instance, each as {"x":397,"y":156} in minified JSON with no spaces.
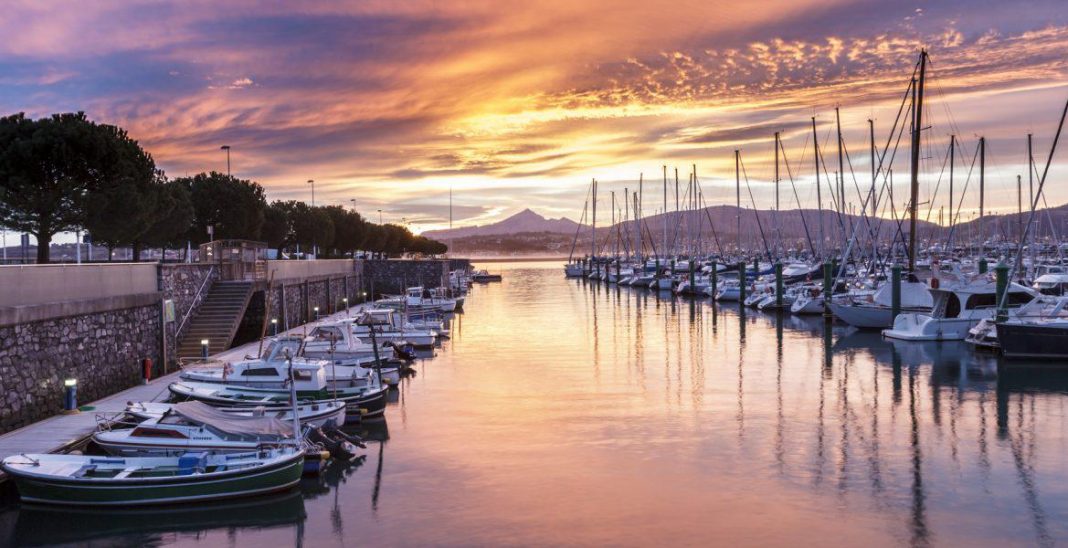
{"x":779,"y":451}
{"x":919,"y":503}
{"x":378,"y":476}
{"x":1025,"y":472}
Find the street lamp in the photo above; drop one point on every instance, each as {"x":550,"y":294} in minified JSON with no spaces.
{"x":227,"y":149}
{"x":315,"y":248}
{"x":379,"y":216}
{"x":353,"y":200}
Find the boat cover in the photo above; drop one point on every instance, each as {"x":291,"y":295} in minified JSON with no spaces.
{"x":913,"y":295}
{"x":233,"y":424}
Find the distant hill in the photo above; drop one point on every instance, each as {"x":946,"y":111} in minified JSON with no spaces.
{"x":524,"y":221}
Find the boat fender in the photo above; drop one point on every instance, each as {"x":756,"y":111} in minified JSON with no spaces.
{"x":934,"y":283}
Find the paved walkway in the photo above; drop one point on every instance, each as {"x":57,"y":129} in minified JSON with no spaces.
{"x":55,"y":433}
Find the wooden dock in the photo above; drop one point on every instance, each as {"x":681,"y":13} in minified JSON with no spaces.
{"x":57,"y":434}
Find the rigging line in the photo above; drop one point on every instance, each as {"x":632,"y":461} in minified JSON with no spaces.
{"x":800,"y":210}
{"x":1018,"y":263}
{"x":708,"y":214}
{"x":938,"y":184}
{"x":960,"y":202}
{"x":585,"y":207}
{"x":860,"y":195}
{"x":756,"y":212}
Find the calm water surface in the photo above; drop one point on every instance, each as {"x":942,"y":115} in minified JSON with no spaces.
{"x":562,"y":413}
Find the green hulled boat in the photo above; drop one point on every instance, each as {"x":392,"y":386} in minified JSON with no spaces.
{"x":94,"y":481}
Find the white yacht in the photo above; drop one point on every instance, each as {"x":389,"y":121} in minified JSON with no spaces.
{"x":956,"y":309}
{"x":876,"y":311}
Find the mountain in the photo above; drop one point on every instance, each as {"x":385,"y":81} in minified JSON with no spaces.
{"x":524,"y":221}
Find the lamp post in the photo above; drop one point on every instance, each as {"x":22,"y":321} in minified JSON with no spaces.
{"x":353,"y":200}
{"x":227,"y":149}
{"x":379,"y":216}
{"x":70,"y":396}
{"x":204,"y":348}
{"x":316,"y":309}
{"x":315,"y":248}
{"x":312,"y":183}
{"x":274,"y":327}
{"x":346,"y":301}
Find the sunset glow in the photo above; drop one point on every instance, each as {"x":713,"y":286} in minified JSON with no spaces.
{"x":394,"y":103}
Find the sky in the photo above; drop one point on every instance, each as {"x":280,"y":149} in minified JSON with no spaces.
{"x":388,"y":105}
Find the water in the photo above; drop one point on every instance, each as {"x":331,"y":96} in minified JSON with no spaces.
{"x":562,"y":413}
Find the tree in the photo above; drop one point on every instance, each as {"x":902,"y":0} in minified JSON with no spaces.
{"x":125,"y":204}
{"x":173,"y":216}
{"x":349,"y":227}
{"x":50,"y":167}
{"x":234,"y":207}
{"x":278,"y":224}
{"x":312,"y":226}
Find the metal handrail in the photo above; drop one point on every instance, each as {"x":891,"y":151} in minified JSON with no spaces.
{"x":197,"y":296}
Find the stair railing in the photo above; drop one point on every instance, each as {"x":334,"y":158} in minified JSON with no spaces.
{"x":185,"y":318}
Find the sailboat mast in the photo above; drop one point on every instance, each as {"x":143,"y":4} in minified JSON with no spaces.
{"x":917,"y":127}
{"x":982,"y":195}
{"x":738,"y":198}
{"x":638,"y":216}
{"x":819,"y":193}
{"x":952,"y":159}
{"x":778,"y":219}
{"x":664,"y":218}
{"x":593,"y":225}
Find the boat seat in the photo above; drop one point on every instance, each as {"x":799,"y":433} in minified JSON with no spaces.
{"x":127,"y":471}
{"x":74,"y":470}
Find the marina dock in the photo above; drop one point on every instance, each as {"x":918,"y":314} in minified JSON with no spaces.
{"x":60,"y":433}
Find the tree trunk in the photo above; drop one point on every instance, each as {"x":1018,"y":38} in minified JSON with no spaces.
{"x":44,"y":242}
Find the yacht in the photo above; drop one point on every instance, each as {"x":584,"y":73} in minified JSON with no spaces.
{"x":875,"y":311}
{"x":956,"y":309}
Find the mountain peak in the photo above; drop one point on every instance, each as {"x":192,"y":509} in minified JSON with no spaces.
{"x":526,"y":220}
{"x":526,"y":214}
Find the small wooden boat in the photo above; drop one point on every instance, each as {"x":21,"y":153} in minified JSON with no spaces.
{"x":111,"y":481}
{"x":365,"y":402}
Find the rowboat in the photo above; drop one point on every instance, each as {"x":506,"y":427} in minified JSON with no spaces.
{"x":366,"y":402}
{"x":111,"y":481}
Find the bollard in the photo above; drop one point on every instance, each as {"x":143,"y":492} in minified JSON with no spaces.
{"x":756,"y":267}
{"x":274,"y":327}
{"x":741,"y":283}
{"x":983,"y":266}
{"x":895,"y":292}
{"x":70,"y":396}
{"x":778,"y":285}
{"x":715,"y":276}
{"x":692,"y":282}
{"x":1001,"y":272}
{"x":146,"y":369}
{"x":828,"y":283}
{"x":204,"y":348}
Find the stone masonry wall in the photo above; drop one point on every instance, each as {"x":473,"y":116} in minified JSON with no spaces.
{"x":301,"y":298}
{"x":394,"y":276}
{"x":181,"y":283}
{"x":103,"y":351}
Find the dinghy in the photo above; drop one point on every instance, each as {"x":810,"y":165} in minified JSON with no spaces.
{"x":313,"y":414}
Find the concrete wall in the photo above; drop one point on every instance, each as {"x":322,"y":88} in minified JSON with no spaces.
{"x":299,"y":270}
{"x":39,"y":284}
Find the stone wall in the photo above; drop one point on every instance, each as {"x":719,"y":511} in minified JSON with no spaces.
{"x":459,"y":264}
{"x":394,"y":276}
{"x":302,"y":296}
{"x":102,"y":350}
{"x":181,"y":283}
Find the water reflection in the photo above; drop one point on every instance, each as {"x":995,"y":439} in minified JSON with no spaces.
{"x":565,"y":412}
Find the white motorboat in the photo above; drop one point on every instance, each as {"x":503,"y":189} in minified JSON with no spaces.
{"x":808,"y":300}
{"x":574,"y":270}
{"x":389,"y":327}
{"x":419,"y":298}
{"x":728,"y":291}
{"x":877,"y":313}
{"x":334,"y":341}
{"x":955,"y":310}
{"x":314,"y":414}
{"x":195,"y":426}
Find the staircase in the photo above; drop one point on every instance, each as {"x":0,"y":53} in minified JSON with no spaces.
{"x":217,"y":319}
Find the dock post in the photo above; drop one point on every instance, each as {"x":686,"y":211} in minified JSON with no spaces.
{"x":828,"y":283}
{"x":692,"y":281}
{"x":983,"y":268}
{"x":895,"y":291}
{"x":1001,"y":272}
{"x":715,"y":276}
{"x":778,"y":285}
{"x":741,"y":283}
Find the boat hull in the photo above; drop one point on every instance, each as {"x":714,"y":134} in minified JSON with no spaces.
{"x":1033,"y":341}
{"x":921,"y":327}
{"x":277,"y":476}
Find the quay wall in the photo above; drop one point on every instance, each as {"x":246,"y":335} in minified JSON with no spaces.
{"x":37,"y":284}
{"x":393,"y":276}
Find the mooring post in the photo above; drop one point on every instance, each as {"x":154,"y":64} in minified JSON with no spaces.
{"x":741,"y":282}
{"x":895,"y":291}
{"x":1001,"y":273}
{"x":983,"y":267}
{"x":692,"y":281}
{"x":828,"y":282}
{"x":778,"y":285}
{"x":715,"y":276}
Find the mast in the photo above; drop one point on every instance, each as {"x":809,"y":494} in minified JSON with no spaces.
{"x":1019,"y":205}
{"x":638,"y":218}
{"x":615,"y":242}
{"x":917,"y":127}
{"x":841,"y":169}
{"x":819,"y":194}
{"x":778,"y":218}
{"x":982,"y":195}
{"x":593,"y":225}
{"x":952,"y":159}
{"x":738,"y":198}
{"x":675,"y":239}
{"x":665,"y":221}
{"x":871,"y":198}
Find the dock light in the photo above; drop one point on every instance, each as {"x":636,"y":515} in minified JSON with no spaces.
{"x":316,"y":309}
{"x":204,"y":348}
{"x":70,"y":396}
{"x":346,"y":301}
{"x":274,"y":327}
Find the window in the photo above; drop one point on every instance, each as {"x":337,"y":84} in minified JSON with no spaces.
{"x":260,"y":372}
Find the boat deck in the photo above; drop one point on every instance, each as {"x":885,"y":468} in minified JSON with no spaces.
{"x":55,"y":434}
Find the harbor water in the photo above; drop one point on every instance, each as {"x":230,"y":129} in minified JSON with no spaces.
{"x":562,"y":412}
